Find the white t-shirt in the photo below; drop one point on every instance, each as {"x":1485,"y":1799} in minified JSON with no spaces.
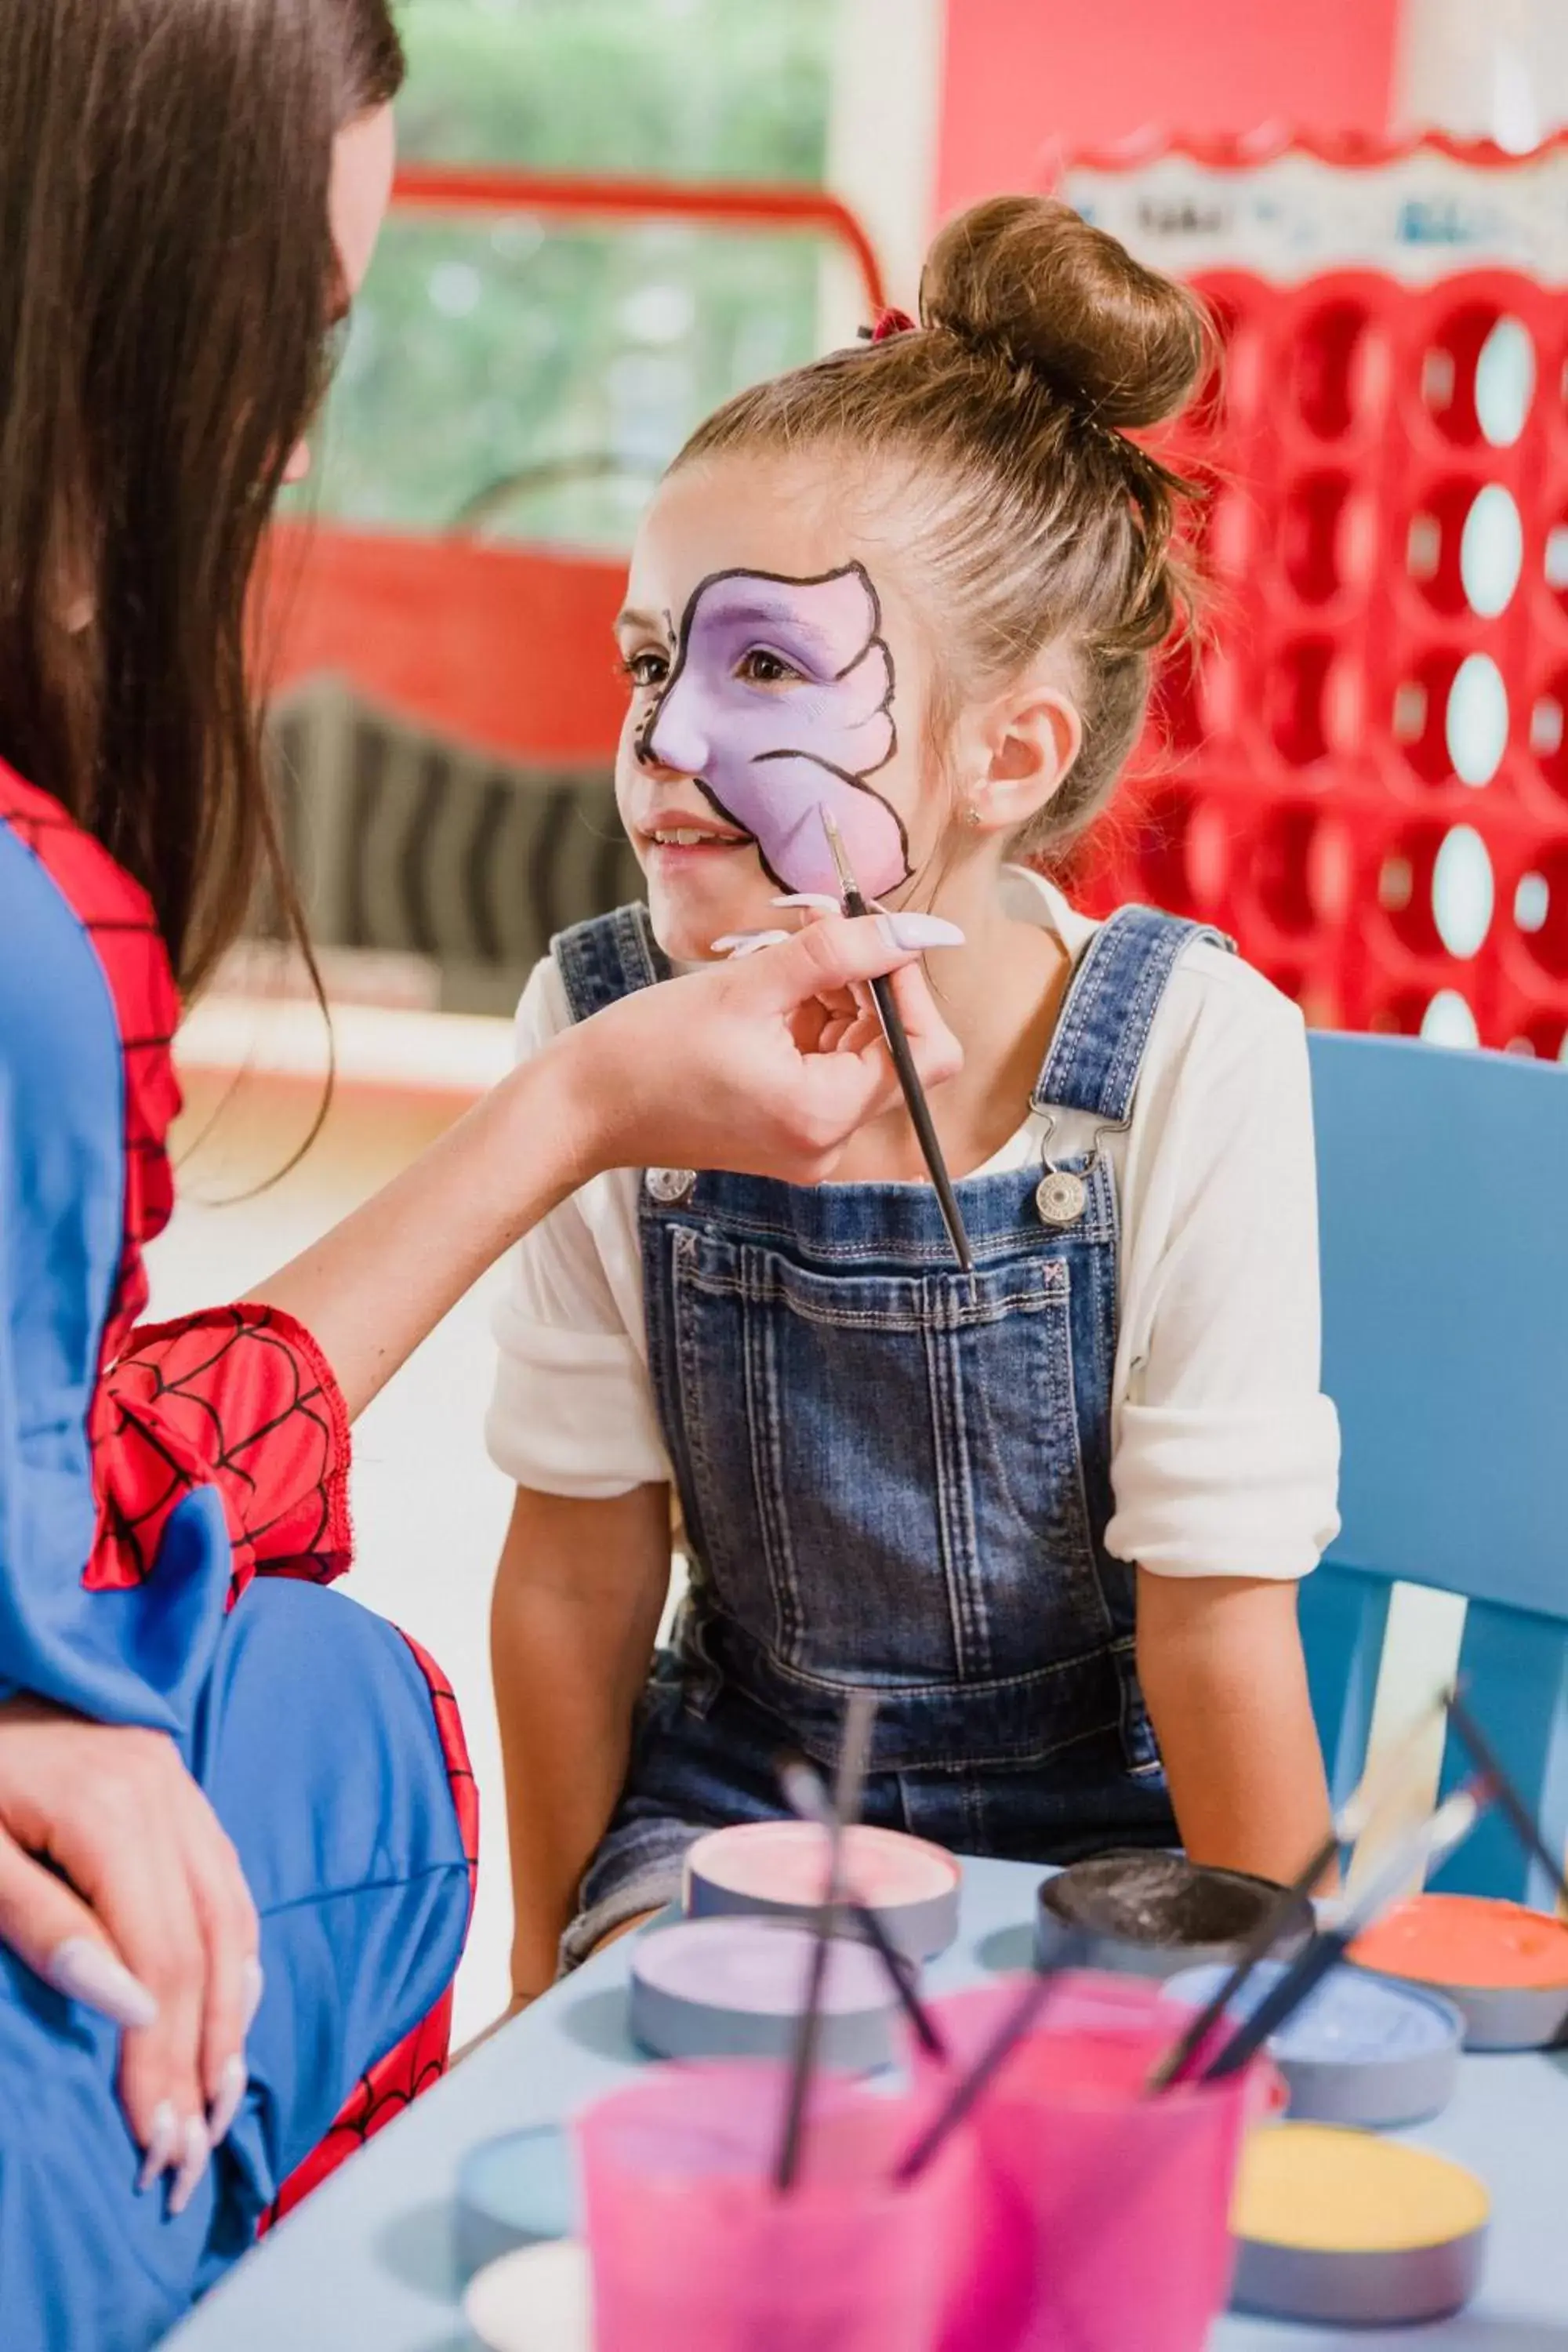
{"x":1225,"y":1455}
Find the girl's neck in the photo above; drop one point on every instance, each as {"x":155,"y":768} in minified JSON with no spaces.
{"x":1000,"y":994}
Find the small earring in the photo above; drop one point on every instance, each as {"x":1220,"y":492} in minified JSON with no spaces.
{"x":972,"y":815}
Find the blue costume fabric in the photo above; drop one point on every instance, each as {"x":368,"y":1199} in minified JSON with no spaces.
{"x":147,"y":1476}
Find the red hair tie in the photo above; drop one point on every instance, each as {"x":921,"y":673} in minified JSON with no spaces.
{"x":892,"y":322}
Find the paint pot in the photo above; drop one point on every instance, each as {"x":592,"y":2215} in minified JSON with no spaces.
{"x":774,"y":1869}
{"x":735,"y":1988}
{"x":1348,"y":2231}
{"x":537,"y":2300}
{"x":1503,"y":1966}
{"x":1361,"y":2050}
{"x":515,"y":2192}
{"x":1152,"y":1914}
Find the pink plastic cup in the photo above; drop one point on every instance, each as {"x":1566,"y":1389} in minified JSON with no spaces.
{"x":1104,"y":2212}
{"x":692,"y":2248}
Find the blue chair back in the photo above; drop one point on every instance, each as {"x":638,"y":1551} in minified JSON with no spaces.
{"x":1444,"y":1189}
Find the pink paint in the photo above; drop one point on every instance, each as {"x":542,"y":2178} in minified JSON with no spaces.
{"x":693,"y":2249}
{"x":779,"y":705}
{"x":782,"y":1862}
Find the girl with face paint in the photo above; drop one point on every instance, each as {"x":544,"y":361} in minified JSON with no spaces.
{"x":236,"y":1825}
{"x":1053,"y":1513}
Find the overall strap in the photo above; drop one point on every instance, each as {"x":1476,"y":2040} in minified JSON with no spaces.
{"x":608,"y":958}
{"x":1097,"y":1049}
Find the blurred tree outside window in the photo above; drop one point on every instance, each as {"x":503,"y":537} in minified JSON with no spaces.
{"x":529,"y":378}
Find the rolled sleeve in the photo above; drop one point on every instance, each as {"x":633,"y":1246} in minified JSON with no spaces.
{"x":1225,"y":1453}
{"x":1243,"y":1493}
{"x":571,"y":1413}
{"x":572,"y":1410}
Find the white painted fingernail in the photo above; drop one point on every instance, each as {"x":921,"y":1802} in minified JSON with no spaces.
{"x":195,"y":2150}
{"x":914,"y":932}
{"x":163,"y":2146}
{"x":83,"y":1970}
{"x":231,"y":2091}
{"x":744,"y":943}
{"x":818,"y":898}
{"x":252,"y":1985}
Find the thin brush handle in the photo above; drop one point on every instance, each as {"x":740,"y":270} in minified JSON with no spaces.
{"x":897,"y":1969}
{"x":853,"y":1756}
{"x":1452,"y":1821}
{"x":1260,"y":1944}
{"x":1300,"y":1979}
{"x":1520,"y":1819}
{"x":896,"y":1035}
{"x":973,"y":2086}
{"x":810,"y":1802}
{"x":919,"y":1113}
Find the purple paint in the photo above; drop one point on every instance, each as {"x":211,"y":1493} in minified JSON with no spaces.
{"x":733,"y":1988}
{"x":780,"y":704}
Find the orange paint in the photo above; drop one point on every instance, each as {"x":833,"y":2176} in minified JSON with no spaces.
{"x":1469,"y":1941}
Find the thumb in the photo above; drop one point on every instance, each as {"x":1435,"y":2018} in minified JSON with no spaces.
{"x":53,"y":1931}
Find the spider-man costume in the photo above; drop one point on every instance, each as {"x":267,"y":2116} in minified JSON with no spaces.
{"x":171,"y":1500}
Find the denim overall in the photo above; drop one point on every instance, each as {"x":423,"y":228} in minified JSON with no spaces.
{"x":895,"y":1474}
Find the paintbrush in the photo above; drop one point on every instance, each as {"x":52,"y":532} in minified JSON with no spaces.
{"x":1072,"y":1946}
{"x":853,"y":1757}
{"x":893,"y":1030}
{"x":1517,"y":1813}
{"x":1417,"y":1852}
{"x":806,"y":1798}
{"x":1348,"y":1823}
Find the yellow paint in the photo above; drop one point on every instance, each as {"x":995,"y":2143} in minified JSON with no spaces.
{"x":1327,"y":2190}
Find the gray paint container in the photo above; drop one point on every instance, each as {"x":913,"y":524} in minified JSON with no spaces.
{"x":1151,"y":1914}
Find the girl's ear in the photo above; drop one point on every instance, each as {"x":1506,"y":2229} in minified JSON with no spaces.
{"x":1030,"y":742}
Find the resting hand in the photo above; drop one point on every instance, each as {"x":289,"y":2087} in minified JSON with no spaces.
{"x":767,"y":1066}
{"x":145,"y":1916}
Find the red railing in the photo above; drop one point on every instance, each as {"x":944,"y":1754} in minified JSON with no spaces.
{"x":714,"y":204}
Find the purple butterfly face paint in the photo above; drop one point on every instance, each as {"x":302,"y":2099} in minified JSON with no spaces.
{"x":780,"y":703}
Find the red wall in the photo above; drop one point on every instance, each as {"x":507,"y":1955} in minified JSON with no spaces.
{"x":1024,"y":74}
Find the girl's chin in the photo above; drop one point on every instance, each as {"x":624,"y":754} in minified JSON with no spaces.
{"x":685,"y":924}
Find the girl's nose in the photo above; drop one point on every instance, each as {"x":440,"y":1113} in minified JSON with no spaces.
{"x":670,"y":739}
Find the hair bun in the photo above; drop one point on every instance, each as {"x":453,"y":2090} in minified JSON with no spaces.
{"x":1029,"y":277}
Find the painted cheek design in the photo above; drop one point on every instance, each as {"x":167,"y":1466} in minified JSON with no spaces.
{"x":770,"y":756}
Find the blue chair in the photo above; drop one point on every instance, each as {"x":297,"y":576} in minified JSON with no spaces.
{"x":1444,"y":1188}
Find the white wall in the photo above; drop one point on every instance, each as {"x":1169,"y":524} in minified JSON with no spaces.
{"x":1485,"y":69}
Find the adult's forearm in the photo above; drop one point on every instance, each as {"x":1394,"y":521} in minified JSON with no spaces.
{"x":379,"y":1283}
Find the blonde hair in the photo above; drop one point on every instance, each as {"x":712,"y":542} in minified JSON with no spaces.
{"x":1035,"y":519}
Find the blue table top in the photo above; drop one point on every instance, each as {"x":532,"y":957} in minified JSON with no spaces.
{"x":367,"y":2260}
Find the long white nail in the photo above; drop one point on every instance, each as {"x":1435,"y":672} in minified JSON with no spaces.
{"x":915,"y":932}
{"x":231,"y":2089}
{"x":83,"y":1970}
{"x":252,"y":1985}
{"x":817,"y":899}
{"x":744,"y":943}
{"x":163,"y":2146}
{"x":195,"y":2149}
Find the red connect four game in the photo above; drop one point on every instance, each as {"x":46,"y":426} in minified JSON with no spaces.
{"x":1364,"y":775}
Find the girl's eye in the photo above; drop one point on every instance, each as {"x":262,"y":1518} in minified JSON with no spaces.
{"x":760,"y":667}
{"x":646,"y":670}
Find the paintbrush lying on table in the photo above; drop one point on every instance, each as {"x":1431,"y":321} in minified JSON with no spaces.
{"x":903,"y":1060}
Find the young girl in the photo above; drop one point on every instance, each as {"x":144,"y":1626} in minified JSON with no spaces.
{"x":1052,"y":1513}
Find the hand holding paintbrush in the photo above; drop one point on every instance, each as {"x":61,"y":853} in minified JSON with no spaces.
{"x":903,"y":1060}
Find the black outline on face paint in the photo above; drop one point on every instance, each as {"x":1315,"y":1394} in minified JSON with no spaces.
{"x":642,"y":744}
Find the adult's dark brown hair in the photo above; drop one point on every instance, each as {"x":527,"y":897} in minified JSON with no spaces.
{"x":167,"y":286}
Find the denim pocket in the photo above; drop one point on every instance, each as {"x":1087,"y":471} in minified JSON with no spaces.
{"x":886,"y":1468}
